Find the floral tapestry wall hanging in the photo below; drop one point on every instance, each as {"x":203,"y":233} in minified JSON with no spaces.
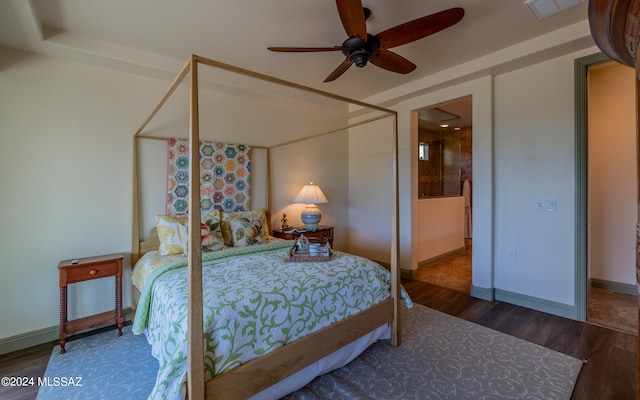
{"x":224,"y":177}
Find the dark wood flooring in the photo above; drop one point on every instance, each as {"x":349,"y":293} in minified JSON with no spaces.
{"x":612,"y":309}
{"x":611,"y":355}
{"x":604,"y":307}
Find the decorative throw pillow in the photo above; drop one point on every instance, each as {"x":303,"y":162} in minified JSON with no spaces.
{"x":210,"y":232}
{"x":227,"y":216}
{"x":247,"y":230}
{"x":172,"y":232}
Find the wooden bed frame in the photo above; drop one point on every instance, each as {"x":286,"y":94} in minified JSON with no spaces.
{"x":615,"y":27}
{"x":261,"y":373}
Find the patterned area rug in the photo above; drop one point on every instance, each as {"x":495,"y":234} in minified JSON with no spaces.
{"x":441,"y":357}
{"x":444,"y":357}
{"x":103,"y":366}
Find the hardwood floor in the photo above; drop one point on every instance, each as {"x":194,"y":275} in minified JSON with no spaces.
{"x":611,"y":355}
{"x":604,"y":307}
{"x":613,"y":310}
{"x":31,"y":363}
{"x":453,"y":272}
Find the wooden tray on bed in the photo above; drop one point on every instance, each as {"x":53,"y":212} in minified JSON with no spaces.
{"x":316,"y":251}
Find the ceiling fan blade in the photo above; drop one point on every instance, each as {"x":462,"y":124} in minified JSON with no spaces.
{"x":419,"y":28}
{"x":352,"y":16}
{"x":392,"y":62}
{"x":303,"y":49}
{"x":342,"y":68}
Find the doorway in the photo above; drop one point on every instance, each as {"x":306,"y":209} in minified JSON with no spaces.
{"x":609,"y":210}
{"x":445,"y":177}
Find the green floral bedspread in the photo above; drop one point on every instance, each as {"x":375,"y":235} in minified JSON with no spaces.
{"x":255,"y":301}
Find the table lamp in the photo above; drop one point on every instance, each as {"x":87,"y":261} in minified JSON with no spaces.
{"x":311,"y":195}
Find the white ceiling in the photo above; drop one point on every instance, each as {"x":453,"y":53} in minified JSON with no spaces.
{"x":155,"y":37}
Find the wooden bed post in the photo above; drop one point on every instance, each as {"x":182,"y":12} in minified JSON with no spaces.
{"x":268,"y":199}
{"x":135,"y":226}
{"x":135,"y":223}
{"x":395,"y":244}
{"x":195,"y":357}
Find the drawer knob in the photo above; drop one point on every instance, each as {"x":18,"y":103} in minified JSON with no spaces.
{"x":93,"y":272}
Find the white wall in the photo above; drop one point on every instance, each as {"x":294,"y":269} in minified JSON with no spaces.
{"x":66,"y":170}
{"x":323,"y":160}
{"x":440,"y":226}
{"x":612,"y":174}
{"x":65,"y":167}
{"x":371,"y":189}
{"x":535,"y":160}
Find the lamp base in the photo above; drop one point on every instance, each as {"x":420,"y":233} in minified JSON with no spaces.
{"x":310,"y":217}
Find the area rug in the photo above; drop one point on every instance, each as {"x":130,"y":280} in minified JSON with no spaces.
{"x":441,"y":357}
{"x":102,"y":366}
{"x":444,"y":357}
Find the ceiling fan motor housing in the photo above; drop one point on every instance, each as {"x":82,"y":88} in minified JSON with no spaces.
{"x":360,"y":52}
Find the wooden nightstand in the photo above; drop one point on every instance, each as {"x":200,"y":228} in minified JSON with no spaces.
{"x":86,"y":269}
{"x":323,"y":233}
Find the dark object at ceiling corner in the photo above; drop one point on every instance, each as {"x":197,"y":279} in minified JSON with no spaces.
{"x":610,"y":28}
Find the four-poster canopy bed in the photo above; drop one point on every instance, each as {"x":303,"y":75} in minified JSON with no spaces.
{"x":615,"y":27}
{"x":258,"y":374}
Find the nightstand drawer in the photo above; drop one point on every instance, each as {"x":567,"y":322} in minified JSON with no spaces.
{"x":85,"y":273}
{"x":322,"y":234}
{"x":319,"y":236}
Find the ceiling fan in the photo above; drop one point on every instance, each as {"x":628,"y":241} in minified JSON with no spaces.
{"x":362,"y":47}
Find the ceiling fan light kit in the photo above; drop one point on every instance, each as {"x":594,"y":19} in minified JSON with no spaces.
{"x":361,"y":47}
{"x":359,"y":51}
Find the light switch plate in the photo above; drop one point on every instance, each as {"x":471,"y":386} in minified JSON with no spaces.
{"x":546,"y":205}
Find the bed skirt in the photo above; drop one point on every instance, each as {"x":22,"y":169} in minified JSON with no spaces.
{"x":333,"y":361}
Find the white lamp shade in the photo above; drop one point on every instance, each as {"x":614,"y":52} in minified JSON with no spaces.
{"x":311,"y":194}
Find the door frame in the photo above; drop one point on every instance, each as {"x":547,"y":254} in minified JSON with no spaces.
{"x":581,"y":276}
